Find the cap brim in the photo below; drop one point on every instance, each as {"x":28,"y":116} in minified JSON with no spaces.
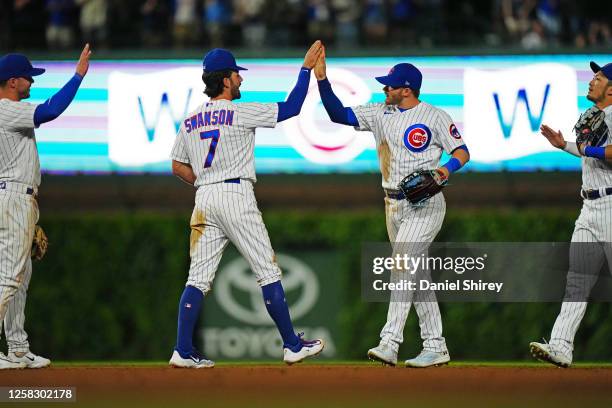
{"x":594,"y":67}
{"x":37,"y":71}
{"x":385,"y":80}
{"x":239,"y":68}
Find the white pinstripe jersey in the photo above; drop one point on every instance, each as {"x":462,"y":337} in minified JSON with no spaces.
{"x":408,"y":141}
{"x":19,"y":161}
{"x":218,"y":139}
{"x":597,"y":173}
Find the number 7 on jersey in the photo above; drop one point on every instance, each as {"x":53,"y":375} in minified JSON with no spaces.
{"x":214,"y":135}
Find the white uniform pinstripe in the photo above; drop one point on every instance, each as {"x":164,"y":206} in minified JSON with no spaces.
{"x":19,"y":170}
{"x":594,"y":225}
{"x":409,"y":141}
{"x":225,"y":211}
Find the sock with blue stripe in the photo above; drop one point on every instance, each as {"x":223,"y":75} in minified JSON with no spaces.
{"x":189,"y":310}
{"x":274,"y":298}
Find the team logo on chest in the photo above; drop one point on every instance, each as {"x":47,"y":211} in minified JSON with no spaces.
{"x":417,"y":137}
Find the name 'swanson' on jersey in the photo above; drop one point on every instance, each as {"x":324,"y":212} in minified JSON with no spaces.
{"x":221,"y":117}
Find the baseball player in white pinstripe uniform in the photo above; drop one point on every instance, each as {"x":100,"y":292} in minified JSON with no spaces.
{"x":214,"y":151}
{"x":19,"y":181}
{"x":410,"y":135}
{"x":594,"y":225}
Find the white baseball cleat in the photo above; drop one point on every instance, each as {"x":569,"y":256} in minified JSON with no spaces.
{"x":30,"y":359}
{"x":429,"y":359}
{"x":550,"y":354}
{"x":383,"y":353}
{"x":7,"y":364}
{"x":194,"y":360}
{"x":309,"y":348}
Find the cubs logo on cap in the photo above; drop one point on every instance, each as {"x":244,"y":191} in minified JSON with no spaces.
{"x":417,"y":138}
{"x":402,"y":75}
{"x":454,"y":132}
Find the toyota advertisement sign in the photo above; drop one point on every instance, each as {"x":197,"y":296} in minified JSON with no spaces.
{"x":236,"y":324}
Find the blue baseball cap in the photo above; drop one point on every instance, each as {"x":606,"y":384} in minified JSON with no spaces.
{"x":402,"y":75}
{"x":219,"y":59}
{"x":17,"y":66}
{"x":606,"y":69}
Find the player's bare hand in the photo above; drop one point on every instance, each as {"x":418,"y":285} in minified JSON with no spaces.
{"x":313,"y":54}
{"x":555,"y":138}
{"x":83,"y":64}
{"x":443,"y":173}
{"x":320,"y":67}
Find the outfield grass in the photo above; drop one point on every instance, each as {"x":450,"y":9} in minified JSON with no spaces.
{"x":324,"y":363}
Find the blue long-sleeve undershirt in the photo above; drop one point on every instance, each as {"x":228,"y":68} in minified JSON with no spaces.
{"x":55,"y":105}
{"x":292,"y":106}
{"x":336,"y":111}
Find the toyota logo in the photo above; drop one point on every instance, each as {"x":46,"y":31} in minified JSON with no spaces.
{"x":236,"y":279}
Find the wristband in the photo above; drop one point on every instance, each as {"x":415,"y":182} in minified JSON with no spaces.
{"x":453,"y":165}
{"x":596,"y":152}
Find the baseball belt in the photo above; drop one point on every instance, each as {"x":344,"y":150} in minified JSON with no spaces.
{"x":592,"y":194}
{"x":18,"y":188}
{"x":394,"y":194}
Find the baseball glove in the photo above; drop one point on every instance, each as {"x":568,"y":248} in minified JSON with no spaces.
{"x":591,"y":127}
{"x":39,"y":243}
{"x":421,"y":185}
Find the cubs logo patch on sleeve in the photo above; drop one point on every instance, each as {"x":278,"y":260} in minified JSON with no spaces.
{"x":454,"y":132}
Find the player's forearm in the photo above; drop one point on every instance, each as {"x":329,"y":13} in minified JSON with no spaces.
{"x":571,"y":148}
{"x":293,"y":105}
{"x":336,"y":111}
{"x":184,"y":172}
{"x":57,"y":104}
{"x":459,"y":158}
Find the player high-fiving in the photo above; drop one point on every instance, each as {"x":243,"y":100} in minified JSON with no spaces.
{"x":19,"y":182}
{"x":214,"y":151}
{"x":410,"y":136}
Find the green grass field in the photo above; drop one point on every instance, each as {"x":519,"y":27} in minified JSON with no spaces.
{"x":325,"y":363}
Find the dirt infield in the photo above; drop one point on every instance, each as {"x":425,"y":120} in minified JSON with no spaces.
{"x":324,"y":386}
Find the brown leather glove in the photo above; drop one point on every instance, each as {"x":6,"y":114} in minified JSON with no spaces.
{"x":39,"y":243}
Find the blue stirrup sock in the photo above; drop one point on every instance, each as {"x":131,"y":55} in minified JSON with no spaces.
{"x":276,"y":304}
{"x":189,"y":310}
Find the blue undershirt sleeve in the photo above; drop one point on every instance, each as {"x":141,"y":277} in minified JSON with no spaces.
{"x":336,"y":111}
{"x":292,"y":106}
{"x":55,"y":105}
{"x":462,"y":147}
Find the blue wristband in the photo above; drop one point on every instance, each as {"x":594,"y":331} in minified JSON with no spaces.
{"x":453,"y":165}
{"x":596,"y":152}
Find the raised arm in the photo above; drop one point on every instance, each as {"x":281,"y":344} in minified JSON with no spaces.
{"x":336,"y":111}
{"x":57,"y":104}
{"x":292,"y":106}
